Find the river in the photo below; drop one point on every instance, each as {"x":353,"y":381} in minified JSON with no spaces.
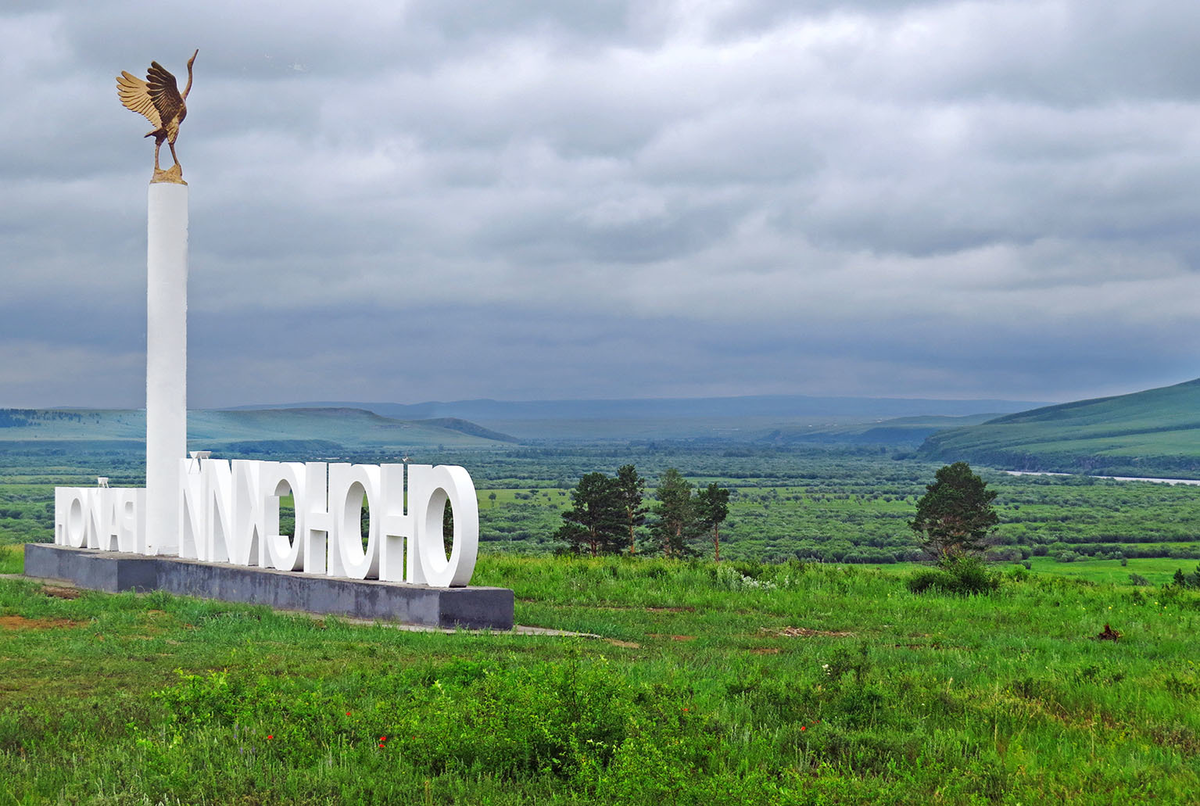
{"x":1193,"y":482}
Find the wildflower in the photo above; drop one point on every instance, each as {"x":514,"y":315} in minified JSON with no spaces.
{"x":270,"y":736}
{"x":803,"y":728}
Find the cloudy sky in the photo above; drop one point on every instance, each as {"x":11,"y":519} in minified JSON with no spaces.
{"x":407,"y":201}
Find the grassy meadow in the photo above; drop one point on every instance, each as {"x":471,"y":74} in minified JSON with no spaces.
{"x":738,"y":683}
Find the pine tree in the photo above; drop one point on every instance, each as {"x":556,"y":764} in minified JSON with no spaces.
{"x":630,"y":488}
{"x":596,"y":521}
{"x":955,"y":514}
{"x":676,"y":513}
{"x":712,"y":508}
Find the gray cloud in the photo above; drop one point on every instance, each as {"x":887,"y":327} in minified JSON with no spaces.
{"x":612,"y":199}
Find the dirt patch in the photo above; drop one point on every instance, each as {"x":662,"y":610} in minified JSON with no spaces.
{"x":59,"y":592}
{"x":672,"y":637}
{"x":670,"y":610}
{"x":626,"y":644}
{"x":22,"y":623}
{"x":805,"y":632}
{"x":765,"y":650}
{"x":1109,"y":634}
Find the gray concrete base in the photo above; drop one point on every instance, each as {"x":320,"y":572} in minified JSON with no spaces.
{"x":470,"y":607}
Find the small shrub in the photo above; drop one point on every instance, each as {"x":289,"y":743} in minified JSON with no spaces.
{"x":928,"y":578}
{"x":1182,"y":580}
{"x":845,"y":662}
{"x":1138,"y":581}
{"x":956,"y":574}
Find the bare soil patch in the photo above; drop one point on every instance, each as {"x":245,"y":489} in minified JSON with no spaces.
{"x":59,"y":592}
{"x":22,"y":623}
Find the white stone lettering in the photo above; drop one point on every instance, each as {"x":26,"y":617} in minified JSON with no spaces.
{"x":229,"y":512}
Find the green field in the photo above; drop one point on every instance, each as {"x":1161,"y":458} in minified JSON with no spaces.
{"x":847,"y":505}
{"x":732,"y":684}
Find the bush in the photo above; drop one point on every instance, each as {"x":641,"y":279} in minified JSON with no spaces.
{"x":1018,"y":573}
{"x":1138,"y":580}
{"x":955,"y":574}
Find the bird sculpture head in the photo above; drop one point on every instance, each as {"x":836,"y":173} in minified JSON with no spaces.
{"x":191,"y":61}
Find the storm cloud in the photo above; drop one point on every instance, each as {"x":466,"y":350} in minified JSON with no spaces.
{"x":438,"y":200}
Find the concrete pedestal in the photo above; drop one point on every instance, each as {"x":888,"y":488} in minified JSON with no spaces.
{"x":470,"y":607}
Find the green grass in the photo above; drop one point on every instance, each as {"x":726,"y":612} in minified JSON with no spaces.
{"x":1158,"y":570}
{"x":733,"y":684}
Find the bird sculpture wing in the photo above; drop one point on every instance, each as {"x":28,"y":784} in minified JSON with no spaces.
{"x":135,"y":95}
{"x":164,"y":93}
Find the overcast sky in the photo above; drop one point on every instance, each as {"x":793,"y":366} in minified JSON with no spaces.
{"x":410,"y":201}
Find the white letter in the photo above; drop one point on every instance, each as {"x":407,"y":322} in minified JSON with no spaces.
{"x":429,"y":489}
{"x":191,"y":509}
{"x":349,"y":485}
{"x":318,"y":525}
{"x":218,"y":506}
{"x":276,"y":479}
{"x":395,"y":524}
{"x":249,"y":518}
{"x":130,"y":520}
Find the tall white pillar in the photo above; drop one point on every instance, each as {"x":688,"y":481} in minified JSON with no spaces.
{"x":166,"y":361}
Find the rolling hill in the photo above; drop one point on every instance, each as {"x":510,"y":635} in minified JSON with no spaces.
{"x":771,"y":418}
{"x":1150,"y":433}
{"x":897,"y":431}
{"x":311,"y":431}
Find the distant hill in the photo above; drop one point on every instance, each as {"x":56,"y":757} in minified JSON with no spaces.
{"x":910,"y":431}
{"x":1156,"y":432}
{"x":289,"y":432}
{"x":750,"y":418}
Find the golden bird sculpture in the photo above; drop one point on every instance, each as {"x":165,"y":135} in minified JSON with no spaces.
{"x":159,"y":100}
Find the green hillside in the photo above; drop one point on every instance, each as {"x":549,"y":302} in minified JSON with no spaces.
{"x":260,"y":431}
{"x":1151,"y":433}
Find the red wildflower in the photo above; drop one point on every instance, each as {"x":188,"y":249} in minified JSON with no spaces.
{"x":270,"y":736}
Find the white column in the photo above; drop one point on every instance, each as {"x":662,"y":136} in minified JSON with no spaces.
{"x":166,"y":362}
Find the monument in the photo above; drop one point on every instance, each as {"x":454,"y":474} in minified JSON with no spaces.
{"x":210,"y":527}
